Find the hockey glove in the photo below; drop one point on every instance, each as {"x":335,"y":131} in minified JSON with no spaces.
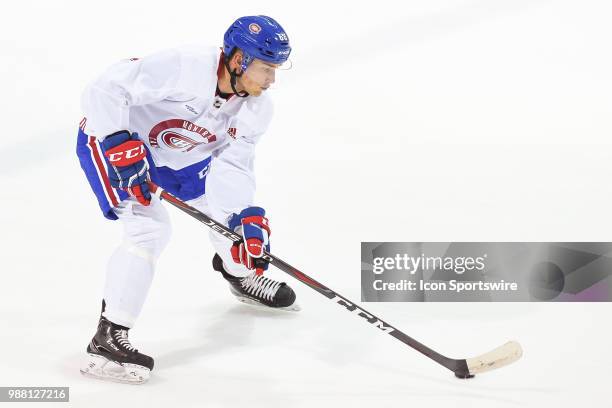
{"x":253,"y":225}
{"x":129,"y":169}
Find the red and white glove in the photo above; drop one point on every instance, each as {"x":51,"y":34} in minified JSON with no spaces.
{"x":255,"y":229}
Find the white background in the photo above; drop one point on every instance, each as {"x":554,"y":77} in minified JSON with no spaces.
{"x":435,"y":120}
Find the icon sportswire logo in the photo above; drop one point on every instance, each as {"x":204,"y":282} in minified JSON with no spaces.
{"x":179,"y":134}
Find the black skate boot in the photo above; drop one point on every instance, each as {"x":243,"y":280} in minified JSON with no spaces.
{"x":258,"y":290}
{"x":110,"y":356}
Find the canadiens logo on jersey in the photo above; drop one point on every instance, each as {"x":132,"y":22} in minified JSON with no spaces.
{"x":232,"y":132}
{"x":179,"y":134}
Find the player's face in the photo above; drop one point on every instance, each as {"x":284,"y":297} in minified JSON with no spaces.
{"x":258,"y":77}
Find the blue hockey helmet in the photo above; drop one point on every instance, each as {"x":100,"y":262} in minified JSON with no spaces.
{"x":258,"y":37}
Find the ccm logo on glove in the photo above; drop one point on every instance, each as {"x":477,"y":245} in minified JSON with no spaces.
{"x":127,"y":153}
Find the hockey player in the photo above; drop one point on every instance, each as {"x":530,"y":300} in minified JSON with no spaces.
{"x":188,"y":119}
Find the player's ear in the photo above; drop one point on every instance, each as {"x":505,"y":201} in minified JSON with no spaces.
{"x":237,"y":61}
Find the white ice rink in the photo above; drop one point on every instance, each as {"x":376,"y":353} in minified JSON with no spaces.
{"x":439,"y":120}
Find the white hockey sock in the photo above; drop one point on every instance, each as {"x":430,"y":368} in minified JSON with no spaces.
{"x":128,"y":279}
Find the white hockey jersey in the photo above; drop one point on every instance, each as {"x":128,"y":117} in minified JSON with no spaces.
{"x":169,"y":99}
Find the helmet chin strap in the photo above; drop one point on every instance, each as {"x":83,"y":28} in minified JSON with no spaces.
{"x":233,"y":77}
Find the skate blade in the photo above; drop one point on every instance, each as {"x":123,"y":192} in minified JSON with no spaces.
{"x":104,"y":369}
{"x":248,"y":301}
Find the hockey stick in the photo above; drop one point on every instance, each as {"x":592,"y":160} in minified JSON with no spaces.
{"x":463,"y":368}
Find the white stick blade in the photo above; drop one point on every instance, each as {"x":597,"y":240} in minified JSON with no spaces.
{"x":499,"y":357}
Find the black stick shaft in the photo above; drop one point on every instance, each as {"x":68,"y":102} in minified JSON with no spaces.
{"x":457,"y":366}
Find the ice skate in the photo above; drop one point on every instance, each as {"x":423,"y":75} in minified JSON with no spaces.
{"x":111,"y":357}
{"x":259,"y":290}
